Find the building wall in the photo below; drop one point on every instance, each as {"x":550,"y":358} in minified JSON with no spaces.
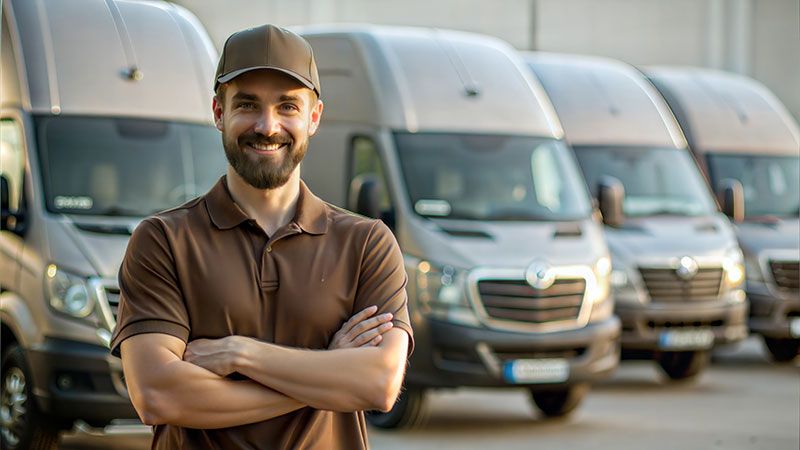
{"x":759,"y":38}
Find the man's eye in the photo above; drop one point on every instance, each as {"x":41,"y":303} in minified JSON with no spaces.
{"x":289,"y":107}
{"x":247,"y":106}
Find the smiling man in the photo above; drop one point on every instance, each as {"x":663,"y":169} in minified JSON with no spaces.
{"x":259,"y":316}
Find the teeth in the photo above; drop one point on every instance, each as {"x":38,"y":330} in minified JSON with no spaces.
{"x":267,"y":147}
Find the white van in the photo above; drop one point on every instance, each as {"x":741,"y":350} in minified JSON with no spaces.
{"x":448,"y":139}
{"x":677,"y":269}
{"x":105,"y":119}
{"x":739,"y":131}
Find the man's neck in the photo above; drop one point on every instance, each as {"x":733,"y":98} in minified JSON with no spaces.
{"x":271,"y":208}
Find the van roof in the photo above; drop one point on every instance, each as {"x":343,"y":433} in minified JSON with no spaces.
{"x":419,"y":79}
{"x":725,"y":112}
{"x":605,"y":101}
{"x":116,"y":57}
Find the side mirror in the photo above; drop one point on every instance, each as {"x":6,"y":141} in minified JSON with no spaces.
{"x":731,"y":199}
{"x":365,"y":196}
{"x":610,"y":194}
{"x":5,"y":212}
{"x":11,"y":221}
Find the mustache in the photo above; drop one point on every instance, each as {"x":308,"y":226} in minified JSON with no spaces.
{"x":256,"y":138}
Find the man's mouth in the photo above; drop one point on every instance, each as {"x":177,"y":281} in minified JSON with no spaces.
{"x":266,"y":149}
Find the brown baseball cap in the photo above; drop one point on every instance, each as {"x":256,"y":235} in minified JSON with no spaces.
{"x":268,"y":47}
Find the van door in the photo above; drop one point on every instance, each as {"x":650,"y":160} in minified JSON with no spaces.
{"x":12,"y":169}
{"x":366,"y":163}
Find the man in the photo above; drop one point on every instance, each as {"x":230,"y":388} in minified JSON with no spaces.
{"x":256,"y":278}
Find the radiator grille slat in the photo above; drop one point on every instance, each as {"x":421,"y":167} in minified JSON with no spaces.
{"x":664,"y":285}
{"x":516,"y":300}
{"x":786,"y":274}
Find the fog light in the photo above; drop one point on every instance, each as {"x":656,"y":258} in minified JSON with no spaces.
{"x":64,"y":382}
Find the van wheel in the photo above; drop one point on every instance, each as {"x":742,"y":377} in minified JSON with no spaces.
{"x":783,"y":350}
{"x":560,"y":402}
{"x":22,"y":425}
{"x":409,"y":410}
{"x":683,"y":365}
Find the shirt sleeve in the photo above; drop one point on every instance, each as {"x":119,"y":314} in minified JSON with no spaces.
{"x":151,"y":300}
{"x":382,"y":279}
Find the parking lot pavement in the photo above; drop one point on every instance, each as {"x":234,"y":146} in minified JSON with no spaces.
{"x":742,"y":402}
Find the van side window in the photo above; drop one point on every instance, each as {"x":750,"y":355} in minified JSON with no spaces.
{"x":365,"y":162}
{"x":12,"y":160}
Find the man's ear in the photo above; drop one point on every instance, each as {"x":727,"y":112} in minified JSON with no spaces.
{"x":216,"y":106}
{"x":316,"y":116}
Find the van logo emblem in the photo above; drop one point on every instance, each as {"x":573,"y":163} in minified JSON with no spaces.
{"x":540,"y":275}
{"x":687,"y":268}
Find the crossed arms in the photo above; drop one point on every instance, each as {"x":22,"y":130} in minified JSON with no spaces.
{"x":171,"y":382}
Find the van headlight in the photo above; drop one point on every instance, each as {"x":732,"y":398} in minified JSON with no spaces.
{"x":733,"y":265}
{"x":441,"y":292}
{"x":752,"y":269}
{"x":623,"y":285}
{"x":602,"y":275}
{"x":68,"y":293}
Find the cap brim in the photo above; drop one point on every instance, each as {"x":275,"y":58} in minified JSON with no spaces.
{"x":231,"y":75}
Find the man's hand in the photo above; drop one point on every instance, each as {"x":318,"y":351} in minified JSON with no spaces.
{"x":217,"y":355}
{"x":362,"y":330}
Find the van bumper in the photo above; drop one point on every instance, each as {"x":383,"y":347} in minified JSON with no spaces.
{"x":644,"y":325}
{"x":772,"y":314}
{"x":454,"y":355}
{"x":75,"y":380}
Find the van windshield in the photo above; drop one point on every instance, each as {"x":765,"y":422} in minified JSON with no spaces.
{"x":125,"y":167}
{"x":657,"y":180}
{"x":771,"y":182}
{"x":491,"y":177}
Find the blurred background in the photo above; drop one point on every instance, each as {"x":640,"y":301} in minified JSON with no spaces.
{"x":757,"y":38}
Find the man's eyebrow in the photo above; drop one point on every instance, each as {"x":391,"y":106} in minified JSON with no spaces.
{"x":244,"y":96}
{"x":290,"y":98}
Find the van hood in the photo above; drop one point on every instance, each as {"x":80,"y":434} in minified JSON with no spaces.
{"x":102,"y":241}
{"x":665,"y":237}
{"x":776,"y":234}
{"x":471,"y":244}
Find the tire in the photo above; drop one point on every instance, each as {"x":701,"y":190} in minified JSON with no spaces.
{"x":409,"y":411}
{"x":783,"y":350}
{"x":560,"y":402}
{"x":22,"y":425}
{"x":683,"y":365}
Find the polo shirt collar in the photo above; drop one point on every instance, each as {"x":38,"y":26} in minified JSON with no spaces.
{"x":310,"y":215}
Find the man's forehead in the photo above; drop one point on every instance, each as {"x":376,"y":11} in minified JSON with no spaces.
{"x":267,"y":83}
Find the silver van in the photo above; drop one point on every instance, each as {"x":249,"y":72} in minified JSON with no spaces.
{"x":740,"y":133}
{"x":448,"y":139}
{"x":105,"y":119}
{"x":677,"y":269}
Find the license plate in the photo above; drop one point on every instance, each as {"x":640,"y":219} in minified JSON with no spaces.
{"x":527,"y":371}
{"x":692,"y":339}
{"x":794,"y":328}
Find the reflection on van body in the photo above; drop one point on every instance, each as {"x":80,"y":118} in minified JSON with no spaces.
{"x":738,"y":130}
{"x":677,"y":270}
{"x":93,"y":138}
{"x":448,"y":139}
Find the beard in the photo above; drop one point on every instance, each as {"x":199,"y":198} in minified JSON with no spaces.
{"x":264,"y":171}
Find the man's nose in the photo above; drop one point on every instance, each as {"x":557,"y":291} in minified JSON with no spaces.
{"x":268,"y":123}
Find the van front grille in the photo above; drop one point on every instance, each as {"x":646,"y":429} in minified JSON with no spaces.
{"x":518,"y":301}
{"x":665,"y":286}
{"x":112,"y":295}
{"x":786,"y":274}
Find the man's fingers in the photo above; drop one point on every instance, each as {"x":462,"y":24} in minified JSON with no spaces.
{"x":374,"y":342}
{"x":369,"y":324}
{"x":359,"y":317}
{"x":370,"y":334}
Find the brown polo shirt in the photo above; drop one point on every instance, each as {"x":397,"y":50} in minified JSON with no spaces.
{"x":206,"y":270}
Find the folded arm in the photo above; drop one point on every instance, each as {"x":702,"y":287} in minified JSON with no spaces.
{"x":351,"y":379}
{"x":164,"y":389}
